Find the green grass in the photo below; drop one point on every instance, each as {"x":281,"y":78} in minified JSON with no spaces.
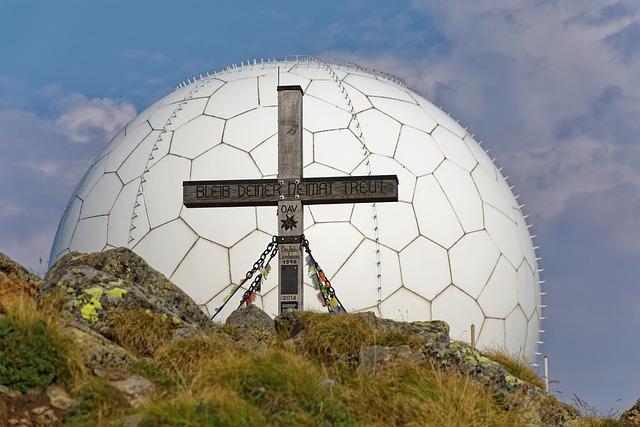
{"x":207,"y":380}
{"x":98,"y":402}
{"x":226,"y":386}
{"x":33,"y":350}
{"x":217,"y":407}
{"x":285,"y":387}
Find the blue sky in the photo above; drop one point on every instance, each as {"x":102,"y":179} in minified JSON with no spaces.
{"x":550,"y":86}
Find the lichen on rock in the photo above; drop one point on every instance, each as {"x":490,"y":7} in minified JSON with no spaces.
{"x":97,"y":285}
{"x":89,"y":310}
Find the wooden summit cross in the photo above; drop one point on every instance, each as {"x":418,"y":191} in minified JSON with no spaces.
{"x":290,"y":192}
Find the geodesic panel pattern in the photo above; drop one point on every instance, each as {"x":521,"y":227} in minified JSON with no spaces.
{"x":456,"y":246}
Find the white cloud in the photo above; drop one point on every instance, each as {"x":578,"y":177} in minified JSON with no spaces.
{"x":552,"y":87}
{"x":87,"y":119}
{"x":41,"y":162}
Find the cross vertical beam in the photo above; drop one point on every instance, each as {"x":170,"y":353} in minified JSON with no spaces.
{"x":290,"y":211}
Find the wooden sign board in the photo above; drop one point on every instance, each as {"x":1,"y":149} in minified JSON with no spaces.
{"x":267,"y":192}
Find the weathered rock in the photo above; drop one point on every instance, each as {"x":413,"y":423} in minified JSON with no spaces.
{"x":44,"y":416}
{"x":59,"y":398}
{"x":110,"y":373}
{"x":91,"y":294}
{"x":15,"y":282}
{"x":125,"y":266}
{"x":515,"y":394}
{"x":462,"y":358}
{"x":8,"y":392}
{"x":542,"y":409}
{"x":251,"y":318}
{"x":631,"y":417}
{"x":250,"y":327}
{"x":433,"y":334}
{"x":327,"y":384}
{"x":184,"y":331}
{"x":288,"y":323}
{"x":376,"y":358}
{"x":137,"y":389}
{"x":95,"y":350}
{"x":553,"y":412}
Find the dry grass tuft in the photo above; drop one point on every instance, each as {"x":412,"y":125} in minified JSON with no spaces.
{"x":52,"y":304}
{"x":393,"y":338}
{"x":410,"y":395}
{"x":183,"y":359}
{"x":331,"y":339}
{"x":285,"y":387}
{"x":141,"y":331}
{"x":517,"y":366}
{"x":217,"y":406}
{"x":592,"y":417}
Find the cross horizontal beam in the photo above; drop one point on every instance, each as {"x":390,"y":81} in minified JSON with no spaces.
{"x":268,"y":192}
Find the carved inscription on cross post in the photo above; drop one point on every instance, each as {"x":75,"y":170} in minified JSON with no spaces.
{"x":289,"y":192}
{"x":290,"y":214}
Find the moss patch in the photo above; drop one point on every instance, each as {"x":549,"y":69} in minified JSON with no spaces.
{"x":33,"y":351}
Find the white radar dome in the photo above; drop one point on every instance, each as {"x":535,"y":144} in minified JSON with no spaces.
{"x":456,"y":246}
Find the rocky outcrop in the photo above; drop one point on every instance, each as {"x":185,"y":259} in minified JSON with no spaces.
{"x":631,"y":417}
{"x":97,"y":351}
{"x":59,"y":398}
{"x":428,"y":344}
{"x":123,"y":267}
{"x":93,"y":292}
{"x":15,"y":282}
{"x":135,"y":388}
{"x":95,"y":286}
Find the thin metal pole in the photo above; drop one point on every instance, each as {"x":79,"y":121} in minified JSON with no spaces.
{"x":473,"y":336}
{"x":546,"y":374}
